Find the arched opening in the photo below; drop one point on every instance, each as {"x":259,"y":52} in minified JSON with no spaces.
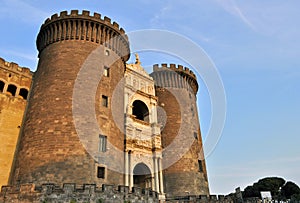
{"x":142,"y":176}
{"x":23,"y":93}
{"x":140,"y":110}
{"x":2,"y":84}
{"x":12,"y":89}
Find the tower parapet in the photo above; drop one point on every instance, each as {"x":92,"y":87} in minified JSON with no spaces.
{"x":93,"y":28}
{"x":15,"y":68}
{"x":174,"y":76}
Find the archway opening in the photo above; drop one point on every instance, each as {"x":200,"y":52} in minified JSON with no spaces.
{"x":23,"y":93}
{"x":140,"y":110}
{"x":142,"y":176}
{"x":12,"y":89}
{"x":1,"y":86}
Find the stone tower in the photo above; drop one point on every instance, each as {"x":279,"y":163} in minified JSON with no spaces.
{"x":81,"y":60}
{"x":15,"y":82}
{"x":183,"y":157}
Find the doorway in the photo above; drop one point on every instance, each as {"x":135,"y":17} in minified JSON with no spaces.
{"x":142,"y":176}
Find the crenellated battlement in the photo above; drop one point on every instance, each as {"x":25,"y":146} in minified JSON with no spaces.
{"x":15,"y":68}
{"x":203,"y":199}
{"x":71,"y":193}
{"x":85,"y":14}
{"x":174,"y":75}
{"x":15,"y":81}
{"x":174,"y":67}
{"x":83,"y":26}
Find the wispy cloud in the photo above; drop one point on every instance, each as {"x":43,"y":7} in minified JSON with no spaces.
{"x":158,"y":17}
{"x":32,"y":57}
{"x":231,"y":7}
{"x":279,"y":18}
{"x":22,"y":11}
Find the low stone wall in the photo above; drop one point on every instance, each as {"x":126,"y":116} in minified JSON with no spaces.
{"x":90,"y":193}
{"x":212,"y":199}
{"x":203,"y":198}
{"x":69,"y":193}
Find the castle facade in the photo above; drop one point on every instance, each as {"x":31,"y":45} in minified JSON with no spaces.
{"x":91,"y":118}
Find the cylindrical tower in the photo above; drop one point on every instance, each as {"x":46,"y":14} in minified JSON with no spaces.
{"x":183,"y":158}
{"x":50,"y":149}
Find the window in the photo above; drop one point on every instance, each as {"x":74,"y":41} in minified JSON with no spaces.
{"x":106,"y":71}
{"x":107,"y":53}
{"x":101,"y":172}
{"x":23,"y":93}
{"x":140,"y":110}
{"x":102,"y":143}
{"x":104,"y":101}
{"x":200,"y":165}
{"x":195,"y":136}
{"x":12,"y":89}
{"x":2,"y":84}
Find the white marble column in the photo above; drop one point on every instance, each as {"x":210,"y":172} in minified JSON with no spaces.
{"x":161,"y":182}
{"x":152,"y":181}
{"x":126,"y":100}
{"x":156,"y":175}
{"x":126,"y":169}
{"x":130,"y":172}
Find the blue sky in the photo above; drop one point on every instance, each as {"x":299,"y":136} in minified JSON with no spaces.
{"x":255,"y":47}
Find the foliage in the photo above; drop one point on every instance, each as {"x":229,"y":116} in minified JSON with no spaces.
{"x":271,"y":184}
{"x":290,"y":189}
{"x":279,"y":188}
{"x":295,"y":198}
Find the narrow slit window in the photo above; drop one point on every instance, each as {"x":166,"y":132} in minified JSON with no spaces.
{"x":102,"y":143}
{"x":195,"y":136}
{"x":104,"y":101}
{"x":200,"y":165}
{"x":106,"y":71}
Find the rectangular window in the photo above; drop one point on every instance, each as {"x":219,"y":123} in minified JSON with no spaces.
{"x":101,"y":172}
{"x":104,"y":101}
{"x":102,"y":143}
{"x":200,"y":165}
{"x":106,"y":71}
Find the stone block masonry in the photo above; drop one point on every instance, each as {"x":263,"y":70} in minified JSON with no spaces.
{"x":15,"y":82}
{"x":51,"y":193}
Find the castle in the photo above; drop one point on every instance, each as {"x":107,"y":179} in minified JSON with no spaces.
{"x":91,"y":119}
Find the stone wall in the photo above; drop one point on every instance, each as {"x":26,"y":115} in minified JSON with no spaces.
{"x":232,"y":198}
{"x":15,"y":83}
{"x":69,"y":193}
